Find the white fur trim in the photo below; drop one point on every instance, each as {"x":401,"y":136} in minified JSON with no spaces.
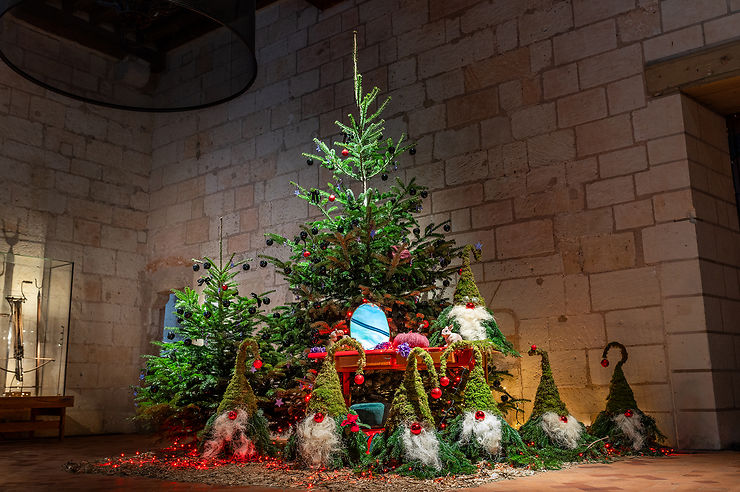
{"x":470,"y":321}
{"x":230,"y":432}
{"x":486,"y":432}
{"x":632,"y":428}
{"x":317,"y":441}
{"x":423,"y":447}
{"x":564,"y":434}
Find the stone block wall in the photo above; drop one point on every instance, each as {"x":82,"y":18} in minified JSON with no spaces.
{"x":75,"y":183}
{"x":604,"y":214}
{"x":536,"y":138}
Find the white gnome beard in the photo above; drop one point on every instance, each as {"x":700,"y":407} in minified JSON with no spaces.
{"x":422,"y":447}
{"x":226,"y":431}
{"x":317,"y":441}
{"x":486,"y":432}
{"x":564,"y":434}
{"x":471,"y":321}
{"x":632,"y":428}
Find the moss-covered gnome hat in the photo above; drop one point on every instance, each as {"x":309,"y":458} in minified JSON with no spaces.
{"x":327,"y":395}
{"x":467,"y":290}
{"x":620,"y":396}
{"x":410,"y":402}
{"x":239,"y":392}
{"x":547,"y":398}
{"x":477,"y":394}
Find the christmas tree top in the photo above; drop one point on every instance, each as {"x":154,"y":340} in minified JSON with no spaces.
{"x":547,"y":398}
{"x":477,"y":394}
{"x":467,"y":290}
{"x":327,"y":395}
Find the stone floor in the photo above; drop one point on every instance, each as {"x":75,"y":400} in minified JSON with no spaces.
{"x":37,"y":465}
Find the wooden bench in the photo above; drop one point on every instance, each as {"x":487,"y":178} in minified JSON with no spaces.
{"x":38,"y":405}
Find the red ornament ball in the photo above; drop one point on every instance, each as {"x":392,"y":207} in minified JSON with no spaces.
{"x":306,"y":254}
{"x":332,"y":198}
{"x":436,"y":393}
{"x":564,"y":419}
{"x":425,"y":324}
{"x":457,"y":379}
{"x":318,"y":417}
{"x":470,"y":305}
{"x":444,"y":381}
{"x":443,"y":426}
{"x":533,"y":347}
{"x":232,"y":415}
{"x":224,"y":287}
{"x":257,"y":364}
{"x":604,"y":362}
{"x":628,"y":413}
{"x":359,"y":379}
{"x":345,"y":152}
{"x":459,"y":271}
{"x":480,"y":415}
{"x":416,"y":428}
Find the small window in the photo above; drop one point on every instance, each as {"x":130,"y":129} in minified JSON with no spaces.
{"x":170,"y":320}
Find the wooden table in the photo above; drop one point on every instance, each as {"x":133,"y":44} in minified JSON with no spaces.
{"x":389,"y":360}
{"x":38,"y":405}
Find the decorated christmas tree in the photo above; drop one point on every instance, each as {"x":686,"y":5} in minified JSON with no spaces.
{"x":182,"y":386}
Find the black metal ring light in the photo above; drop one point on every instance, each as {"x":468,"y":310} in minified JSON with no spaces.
{"x":140,"y":55}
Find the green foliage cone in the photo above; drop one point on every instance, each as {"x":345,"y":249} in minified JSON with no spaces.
{"x":477,"y":394}
{"x":547,"y":398}
{"x":467,"y":290}
{"x":410,"y":402}
{"x":619,"y":400}
{"x":327,"y":392}
{"x":239,"y":392}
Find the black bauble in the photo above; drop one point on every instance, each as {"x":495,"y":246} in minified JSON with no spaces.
{"x":196,"y":267}
{"x":180,"y":311}
{"x":416,"y":231}
{"x":188,"y":342}
{"x":384,"y":177}
{"x":412,"y":150}
{"x":504,"y":398}
{"x":309,"y":162}
{"x":447,"y":227}
{"x":226,"y":303}
{"x":206,"y":265}
{"x":188,"y":314}
{"x":206,"y":314}
{"x":266,"y":301}
{"x":412,"y":191}
{"x":253,"y":310}
{"x":304,"y":234}
{"x":424,"y":194}
{"x":287,"y":270}
{"x":391,"y":149}
{"x":276,"y":315}
{"x":170,"y":336}
{"x":269,"y":241}
{"x":314,"y":231}
{"x":446,"y":283}
{"x":245,"y":266}
{"x":263,"y":263}
{"x":154,"y":388}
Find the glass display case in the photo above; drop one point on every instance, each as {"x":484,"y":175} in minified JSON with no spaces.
{"x":34,"y":325}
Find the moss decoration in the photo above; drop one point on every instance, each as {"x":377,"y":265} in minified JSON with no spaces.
{"x":239,"y":392}
{"x":620,"y":399}
{"x":327,"y":394}
{"x":466,"y":290}
{"x":410,"y":402}
{"x":547,"y":398}
{"x":477,"y":394}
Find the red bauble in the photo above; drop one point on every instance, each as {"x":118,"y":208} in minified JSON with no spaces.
{"x":318,"y":417}
{"x":436,"y":393}
{"x":470,"y":305}
{"x":332,"y":198}
{"x":359,"y":379}
{"x":425,"y":324}
{"x":457,"y":379}
{"x":564,"y":419}
{"x":480,"y":415}
{"x":416,"y":428}
{"x":306,"y":254}
{"x":628,"y":413}
{"x":444,"y":381}
{"x":443,"y":426}
{"x":345,"y":152}
{"x":232,"y":415}
{"x":459,"y":271}
{"x":224,"y":287}
{"x":257,"y":364}
{"x":533,"y":347}
{"x":604,"y":362}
